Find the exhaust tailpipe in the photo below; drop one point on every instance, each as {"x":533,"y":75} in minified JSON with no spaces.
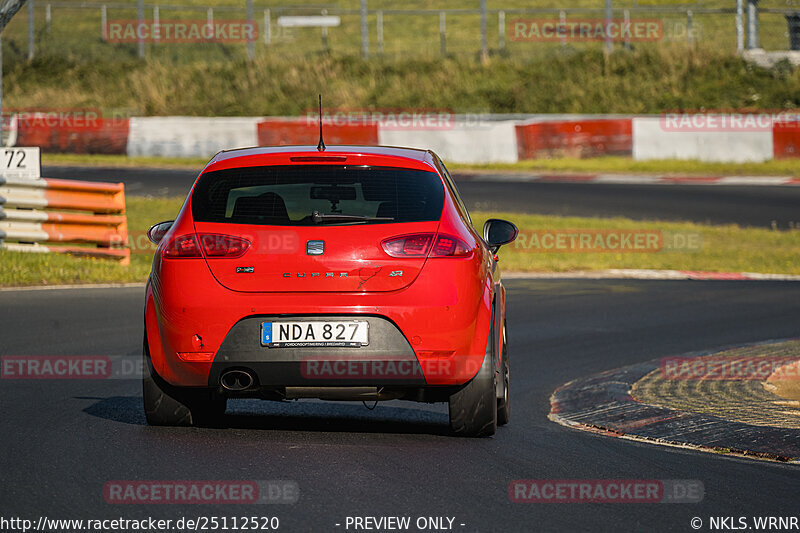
{"x":236,"y":380}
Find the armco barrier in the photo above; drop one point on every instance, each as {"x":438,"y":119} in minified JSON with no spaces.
{"x":279,"y":132}
{"x":25,"y":225}
{"x":574,"y":138}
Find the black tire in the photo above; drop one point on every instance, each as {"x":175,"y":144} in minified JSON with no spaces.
{"x":473,"y":408}
{"x":504,"y":403}
{"x":167,"y":405}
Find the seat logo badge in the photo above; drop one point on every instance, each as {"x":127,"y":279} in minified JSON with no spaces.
{"x":245,"y":270}
{"x":315,"y":247}
{"x":394,"y":273}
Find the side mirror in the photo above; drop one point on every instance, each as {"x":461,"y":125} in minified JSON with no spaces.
{"x":497,"y":232}
{"x":157,"y":231}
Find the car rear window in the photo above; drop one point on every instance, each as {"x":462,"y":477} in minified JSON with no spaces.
{"x":289,"y":195}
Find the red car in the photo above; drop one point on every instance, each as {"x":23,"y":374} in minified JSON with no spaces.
{"x":352,"y":273}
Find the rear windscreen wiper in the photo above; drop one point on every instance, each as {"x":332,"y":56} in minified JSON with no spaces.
{"x":322,"y":218}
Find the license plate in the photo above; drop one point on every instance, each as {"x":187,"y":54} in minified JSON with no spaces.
{"x":321,"y":333}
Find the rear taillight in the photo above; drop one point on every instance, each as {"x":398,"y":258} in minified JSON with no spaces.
{"x":183,"y":246}
{"x":447,"y":246}
{"x":408,"y":245}
{"x":186,"y":246}
{"x":418,"y":245}
{"x":223,"y":245}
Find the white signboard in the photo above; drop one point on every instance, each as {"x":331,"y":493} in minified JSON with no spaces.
{"x":315,"y":21}
{"x":18,"y":162}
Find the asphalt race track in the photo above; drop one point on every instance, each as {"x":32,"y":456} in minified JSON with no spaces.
{"x":64,"y":439}
{"x":743,"y":205}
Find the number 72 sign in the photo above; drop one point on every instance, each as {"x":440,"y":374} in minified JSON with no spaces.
{"x":17,"y":162}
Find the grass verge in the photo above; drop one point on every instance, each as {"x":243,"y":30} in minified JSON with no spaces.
{"x":649,"y":79}
{"x":683,"y":246}
{"x":721,"y":249}
{"x":108,"y":160}
{"x":595,"y":165}
{"x":626,"y":165}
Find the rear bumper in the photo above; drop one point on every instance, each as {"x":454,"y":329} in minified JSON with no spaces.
{"x":441,"y":323}
{"x":387,"y":361}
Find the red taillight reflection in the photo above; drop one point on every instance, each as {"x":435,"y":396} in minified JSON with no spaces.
{"x":213,"y":245}
{"x":419,"y":244}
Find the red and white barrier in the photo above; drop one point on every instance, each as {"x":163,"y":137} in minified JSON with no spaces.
{"x":484,"y":140}
{"x":96,"y":217}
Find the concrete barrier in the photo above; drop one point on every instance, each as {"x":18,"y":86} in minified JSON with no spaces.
{"x":652,"y":141}
{"x":190,"y":136}
{"x":574,"y":138}
{"x":300,"y":131}
{"x":483,"y":142}
{"x":479,"y":139}
{"x":100,"y":136}
{"x":786,"y":140}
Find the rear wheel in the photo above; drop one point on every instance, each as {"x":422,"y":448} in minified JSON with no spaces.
{"x":504,"y":403}
{"x":473,"y":408}
{"x":167,"y":405}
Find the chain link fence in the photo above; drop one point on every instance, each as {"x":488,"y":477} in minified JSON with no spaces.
{"x":375,"y":29}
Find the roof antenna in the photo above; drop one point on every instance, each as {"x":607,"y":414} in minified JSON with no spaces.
{"x":321,"y":145}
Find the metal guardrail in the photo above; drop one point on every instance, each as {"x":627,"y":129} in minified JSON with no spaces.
{"x":96,"y":216}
